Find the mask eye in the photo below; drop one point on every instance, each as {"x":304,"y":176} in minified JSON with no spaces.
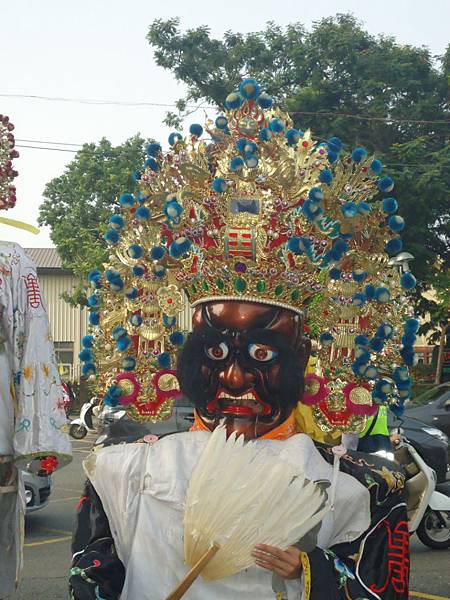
{"x":218,"y":352}
{"x":262,"y":353}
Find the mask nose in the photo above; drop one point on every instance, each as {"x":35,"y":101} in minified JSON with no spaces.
{"x":234,"y":377}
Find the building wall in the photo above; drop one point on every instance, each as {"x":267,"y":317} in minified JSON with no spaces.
{"x":68,"y":324}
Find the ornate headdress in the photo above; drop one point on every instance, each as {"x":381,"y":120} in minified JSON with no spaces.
{"x":259,"y":212}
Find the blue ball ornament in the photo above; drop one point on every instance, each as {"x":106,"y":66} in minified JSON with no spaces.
{"x":88,"y":369}
{"x":251,"y":161}
{"x":136,"y":175}
{"x":361,"y":340}
{"x":118,"y":331}
{"x":376,"y":344}
{"x":234,"y":100}
{"x":87,"y":341}
{"x":385,"y":184}
{"x":315,"y":194}
{"x":335,"y":273}
{"x":312,"y":210}
{"x":93,"y":301}
{"x":169,"y":321}
{"x":86,"y":355}
{"x":154,"y":149}
{"x":175,"y":137}
{"x":117,"y":222}
{"x":326,"y":338}
{"x":135,"y":320}
{"x":219,"y":185}
{"x":128,"y":363}
{"x":364,"y":208}
{"x":135,"y":251}
{"x":159,"y":271}
{"x":221,"y":122}
{"x":152,"y":164}
{"x":94,"y":318}
{"x":382,"y":295}
{"x":349,"y":210}
{"x":157,"y":252}
{"x":408,"y":281}
{"x":142,"y":214}
{"x":411,"y":326}
{"x":163,"y":360}
{"x":389,"y":206}
{"x":396,"y":223}
{"x":292,"y":136}
{"x":264,"y":100}
{"x":127,"y":200}
{"x":376,"y":167}
{"x":394,"y":245}
{"x":276,"y":125}
{"x":236,"y":164}
{"x":138,"y":270}
{"x":249,"y":89}
{"x":359,"y":299}
{"x":299,"y":245}
{"x":359,"y":275}
{"x":111,"y":237}
{"x":326,"y":176}
{"x":132,"y":293}
{"x":369,"y":291}
{"x":334,"y":144}
{"x":265,"y":135}
{"x":196,"y":129}
{"x":123,"y":343}
{"x":176,"y":338}
{"x":179,"y":247}
{"x":359,"y":155}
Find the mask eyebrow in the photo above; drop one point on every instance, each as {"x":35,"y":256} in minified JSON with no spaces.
{"x":265,"y":336}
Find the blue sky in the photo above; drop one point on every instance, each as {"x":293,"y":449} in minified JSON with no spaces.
{"x":96,"y":49}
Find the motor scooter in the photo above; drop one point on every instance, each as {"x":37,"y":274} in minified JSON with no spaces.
{"x":428,"y":507}
{"x":83,"y":424}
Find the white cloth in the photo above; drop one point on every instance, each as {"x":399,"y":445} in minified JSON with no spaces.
{"x":143,"y":490}
{"x":31,"y":399}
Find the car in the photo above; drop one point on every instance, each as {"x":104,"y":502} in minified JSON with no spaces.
{"x":432,"y":407}
{"x":37,"y":490}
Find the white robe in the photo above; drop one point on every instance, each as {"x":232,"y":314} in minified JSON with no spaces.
{"x":31,"y":398}
{"x":143,"y":490}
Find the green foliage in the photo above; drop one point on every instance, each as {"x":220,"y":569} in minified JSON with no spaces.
{"x":78,"y":203}
{"x":385,"y":93}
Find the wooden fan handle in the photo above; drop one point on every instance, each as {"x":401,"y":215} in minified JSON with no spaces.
{"x":186,"y":583}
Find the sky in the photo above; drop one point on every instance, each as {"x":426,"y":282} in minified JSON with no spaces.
{"x":97,"y":50}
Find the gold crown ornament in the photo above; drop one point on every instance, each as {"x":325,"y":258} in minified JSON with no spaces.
{"x":256,"y":210}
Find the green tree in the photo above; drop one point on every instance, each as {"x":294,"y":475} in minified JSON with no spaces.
{"x":337,"y":79}
{"x":78,"y":203}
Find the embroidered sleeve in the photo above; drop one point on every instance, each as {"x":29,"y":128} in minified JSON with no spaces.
{"x":376,"y":566}
{"x":36,"y":385}
{"x":96,"y":573}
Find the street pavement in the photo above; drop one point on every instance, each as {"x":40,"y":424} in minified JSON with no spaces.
{"x":48,"y":534}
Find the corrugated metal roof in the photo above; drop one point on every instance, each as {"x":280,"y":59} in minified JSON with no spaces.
{"x":44,"y":258}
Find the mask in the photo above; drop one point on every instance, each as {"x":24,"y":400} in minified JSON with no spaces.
{"x":244,"y":363}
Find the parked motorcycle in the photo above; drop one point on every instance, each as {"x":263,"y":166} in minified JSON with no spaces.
{"x":83,"y":424}
{"x":428,"y":501}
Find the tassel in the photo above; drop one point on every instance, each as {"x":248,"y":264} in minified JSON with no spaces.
{"x":338,"y":452}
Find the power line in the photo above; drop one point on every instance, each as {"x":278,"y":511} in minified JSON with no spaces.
{"x":195,"y":106}
{"x":43,"y":148}
{"x":380,"y":119}
{"x":98,"y":102}
{"x":75,"y":151}
{"x":48,"y":142}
